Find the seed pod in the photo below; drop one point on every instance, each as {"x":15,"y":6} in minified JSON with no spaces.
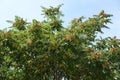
{"x":114,"y":50}
{"x":29,"y":42}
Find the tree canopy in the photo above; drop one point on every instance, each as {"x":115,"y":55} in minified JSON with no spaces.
{"x":47,"y":50}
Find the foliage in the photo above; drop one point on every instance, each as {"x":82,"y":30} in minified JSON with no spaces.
{"x":45,"y":50}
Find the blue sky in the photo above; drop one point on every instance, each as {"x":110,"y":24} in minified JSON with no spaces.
{"x":30,"y":9}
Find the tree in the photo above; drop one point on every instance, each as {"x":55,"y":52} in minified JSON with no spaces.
{"x":45,"y":50}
